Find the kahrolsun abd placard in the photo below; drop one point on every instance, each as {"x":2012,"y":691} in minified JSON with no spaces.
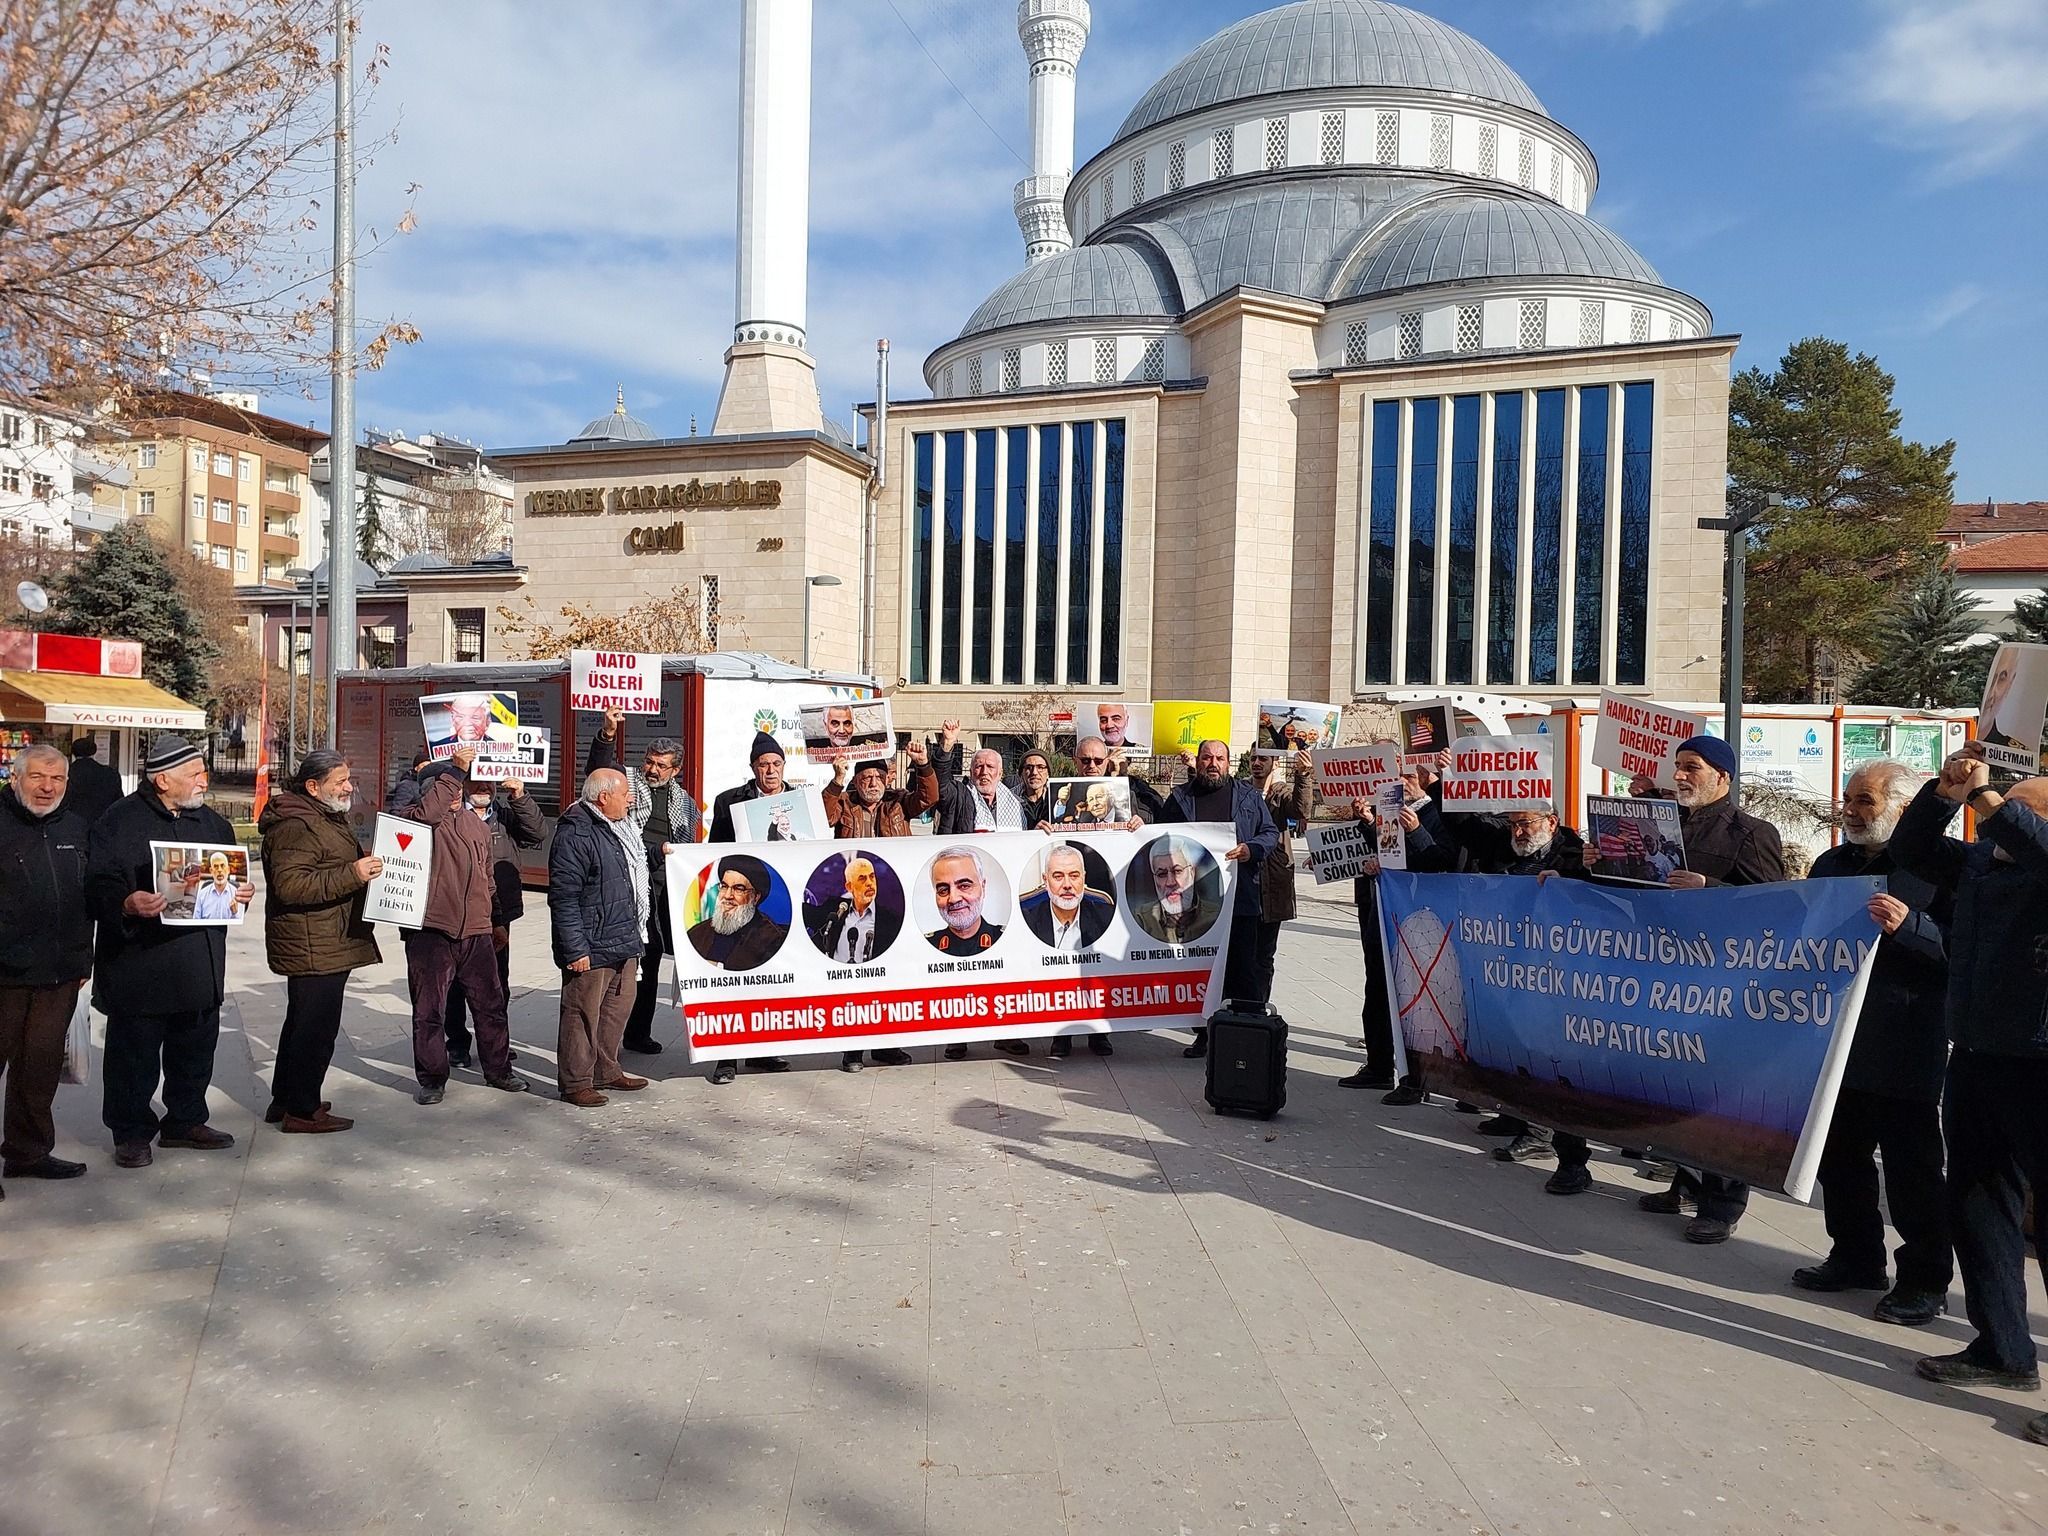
{"x":1635,"y":736}
{"x":1499,"y":774}
{"x":960,"y":938}
{"x":1345,"y":774}
{"x":1337,"y":850}
{"x":1707,"y":1026}
{"x":627,"y":681}
{"x":399,"y":894}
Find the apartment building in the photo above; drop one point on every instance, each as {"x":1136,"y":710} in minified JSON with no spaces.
{"x":63,"y":481}
{"x":230,"y":480}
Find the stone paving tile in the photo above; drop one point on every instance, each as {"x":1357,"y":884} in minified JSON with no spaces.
{"x":993,"y":1296}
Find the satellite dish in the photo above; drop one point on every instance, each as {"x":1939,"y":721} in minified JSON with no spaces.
{"x":33,"y":597}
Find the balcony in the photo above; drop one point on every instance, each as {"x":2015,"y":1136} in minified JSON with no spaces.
{"x":278,"y":544}
{"x":277,"y":499}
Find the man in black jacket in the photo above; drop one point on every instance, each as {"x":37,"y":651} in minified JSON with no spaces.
{"x":515,"y":823}
{"x":765,"y":758}
{"x":94,"y":786}
{"x":1890,"y":1098}
{"x":666,"y":817}
{"x":1997,"y":1012}
{"x":160,"y":988}
{"x":1724,"y":845}
{"x":45,"y":954}
{"x":1211,"y":794}
{"x":597,"y":902}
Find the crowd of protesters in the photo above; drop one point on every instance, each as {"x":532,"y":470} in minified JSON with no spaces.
{"x":1940,"y":1094}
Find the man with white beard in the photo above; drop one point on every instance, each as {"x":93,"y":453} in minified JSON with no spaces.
{"x":1890,"y":1099}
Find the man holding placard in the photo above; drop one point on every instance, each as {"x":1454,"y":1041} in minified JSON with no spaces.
{"x":1212,"y":795}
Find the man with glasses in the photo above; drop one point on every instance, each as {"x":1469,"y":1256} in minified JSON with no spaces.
{"x":1093,"y":759}
{"x":667,"y":817}
{"x":1212,"y":795}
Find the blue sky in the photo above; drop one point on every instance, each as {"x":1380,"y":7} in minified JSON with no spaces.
{"x":1870,"y":170}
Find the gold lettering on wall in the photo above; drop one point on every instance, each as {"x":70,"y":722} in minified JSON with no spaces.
{"x":681,"y":496}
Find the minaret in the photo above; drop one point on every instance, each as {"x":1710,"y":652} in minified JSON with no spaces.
{"x":1053,"y":32}
{"x":771,"y":383}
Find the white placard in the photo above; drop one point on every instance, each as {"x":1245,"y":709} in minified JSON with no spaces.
{"x":399,"y":895}
{"x":1635,"y":736}
{"x":794,"y":816}
{"x":1499,"y":773}
{"x":1337,"y":850}
{"x":1344,"y":774}
{"x":1388,"y":805}
{"x":527,"y":760}
{"x":627,"y":681}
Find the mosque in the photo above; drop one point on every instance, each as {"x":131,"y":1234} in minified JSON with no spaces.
{"x":1318,"y":379}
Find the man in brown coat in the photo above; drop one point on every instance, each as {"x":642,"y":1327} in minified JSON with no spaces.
{"x":315,"y":874}
{"x":455,"y":941}
{"x":870,"y":808}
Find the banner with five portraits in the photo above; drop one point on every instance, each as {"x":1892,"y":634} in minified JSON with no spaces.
{"x":793,"y":948}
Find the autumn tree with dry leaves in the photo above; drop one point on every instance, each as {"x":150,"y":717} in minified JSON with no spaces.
{"x":163,"y":165}
{"x":670,"y":625}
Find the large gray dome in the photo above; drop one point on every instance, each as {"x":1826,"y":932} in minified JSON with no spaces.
{"x":1452,"y":239}
{"x":1104,"y":281}
{"x":1313,"y":44}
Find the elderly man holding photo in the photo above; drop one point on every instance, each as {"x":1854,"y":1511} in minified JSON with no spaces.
{"x":160,"y":986}
{"x":1211,"y":794}
{"x":1997,"y":1014}
{"x":45,"y":954}
{"x":315,"y":875}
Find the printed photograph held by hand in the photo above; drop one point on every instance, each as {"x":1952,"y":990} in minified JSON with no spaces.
{"x":202,"y":884}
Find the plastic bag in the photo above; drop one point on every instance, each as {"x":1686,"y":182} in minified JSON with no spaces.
{"x":78,"y":1043}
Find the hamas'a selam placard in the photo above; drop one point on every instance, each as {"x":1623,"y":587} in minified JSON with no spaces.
{"x":786,"y":949}
{"x":1710,"y":1026}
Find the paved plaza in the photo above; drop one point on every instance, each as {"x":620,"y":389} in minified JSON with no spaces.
{"x":984,"y":1297}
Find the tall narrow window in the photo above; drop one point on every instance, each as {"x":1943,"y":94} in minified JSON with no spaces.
{"x":1525,"y":163}
{"x":1333,"y":138}
{"x":1105,"y":360}
{"x":1588,"y":590}
{"x":1638,"y":323}
{"x":1276,"y":143}
{"x":707,"y":589}
{"x":921,"y":560}
{"x":1080,"y":550}
{"x":1410,"y":336}
{"x":1424,"y":446}
{"x":1016,"y":534}
{"x":1225,"y":151}
{"x":1546,"y":538}
{"x":1044,"y":645}
{"x":1464,"y":541}
{"x":952,"y":556}
{"x":1471,"y":326}
{"x":1505,"y":540}
{"x":1112,"y":551}
{"x":1489,"y":150}
{"x":1387,"y":139}
{"x":465,"y":634}
{"x":982,"y":622}
{"x":1592,"y":322}
{"x":974,"y":374}
{"x":1632,"y":600}
{"x":1535,"y":326}
{"x":1013,"y":368}
{"x":1177,"y":165}
{"x":1380,"y":534}
{"x":1056,"y":364}
{"x":1556,"y":177}
{"x":1137,"y":181}
{"x":1355,"y":344}
{"x":1440,"y":141}
{"x":1152,"y":366}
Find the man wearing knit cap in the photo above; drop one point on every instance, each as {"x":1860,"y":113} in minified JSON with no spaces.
{"x":765,"y":758}
{"x":160,"y":987}
{"x":1724,"y":845}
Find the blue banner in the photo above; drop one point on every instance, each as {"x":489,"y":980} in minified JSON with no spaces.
{"x":1709,"y":1026}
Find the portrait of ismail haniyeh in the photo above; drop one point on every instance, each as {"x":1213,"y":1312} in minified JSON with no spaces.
{"x":738,"y":936}
{"x":1066,"y":915}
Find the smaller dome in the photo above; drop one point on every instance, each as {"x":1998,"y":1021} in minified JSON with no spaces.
{"x":1113,"y":281}
{"x":1456,"y":239}
{"x":425,"y":560}
{"x":366,"y":576}
{"x":618,"y":427}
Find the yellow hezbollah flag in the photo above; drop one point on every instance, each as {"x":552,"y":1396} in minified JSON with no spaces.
{"x":1181,"y":725}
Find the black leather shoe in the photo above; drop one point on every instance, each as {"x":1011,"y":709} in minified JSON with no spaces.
{"x":1500,"y":1125}
{"x":511,"y":1082}
{"x":1965,"y":1370}
{"x":891,"y":1056}
{"x":460,"y":1061}
{"x":1405,"y":1093}
{"x":1014,"y":1047}
{"x":1364,"y":1077}
{"x":1831,"y":1276}
{"x":2036,"y":1429}
{"x":1665,"y":1202}
{"x":201,"y":1138}
{"x":45,"y":1168}
{"x":647,"y":1047}
{"x":1708,"y":1229}
{"x":132,"y":1154}
{"x":433,"y":1095}
{"x":725,"y":1072}
{"x":1910,"y":1308}
{"x":768,"y":1063}
{"x":1196,"y":1051}
{"x":1100,"y":1045}
{"x":956,"y":1053}
{"x":1061,"y":1048}
{"x":1571,"y":1179}
{"x":850,"y":1062}
{"x":1463,"y":1107}
{"x":1524,"y":1149}
{"x":275,"y":1114}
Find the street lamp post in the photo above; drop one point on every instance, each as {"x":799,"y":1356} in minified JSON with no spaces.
{"x":295,"y":575}
{"x":1736,"y":526}
{"x":810,"y":582}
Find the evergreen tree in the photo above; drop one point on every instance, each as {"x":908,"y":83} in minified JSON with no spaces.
{"x":124,"y":589}
{"x":1859,"y":510}
{"x":370,"y":525}
{"x":2030,"y":618}
{"x":1925,"y":654}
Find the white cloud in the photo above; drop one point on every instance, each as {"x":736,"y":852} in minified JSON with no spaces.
{"x":1944,"y":310}
{"x":1641,"y":17}
{"x":1966,"y":78}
